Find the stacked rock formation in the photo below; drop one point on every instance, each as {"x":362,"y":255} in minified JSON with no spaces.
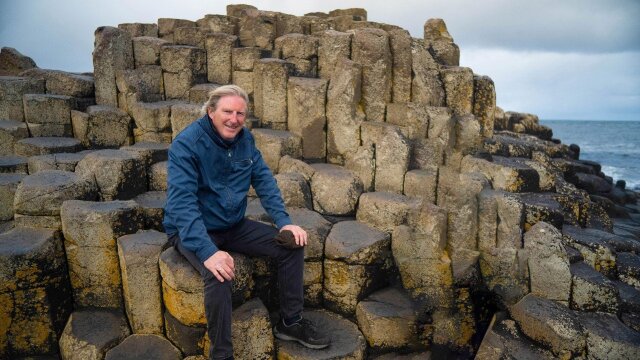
{"x":439,"y":224}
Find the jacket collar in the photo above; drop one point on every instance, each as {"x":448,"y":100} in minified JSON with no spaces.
{"x":207,"y":124}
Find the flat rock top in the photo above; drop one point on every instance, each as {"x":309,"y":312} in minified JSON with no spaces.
{"x":152,"y":199}
{"x":51,"y":142}
{"x":49,"y":179}
{"x":144,"y":346}
{"x":105,"y":109}
{"x":149,"y":146}
{"x":12,"y":160}
{"x":270,"y":133}
{"x":347,"y":342}
{"x":383,"y":196}
{"x":628,"y":263}
{"x":352,"y":240}
{"x":110,"y":154}
{"x":177,"y":272}
{"x":629,"y":296}
{"x":331,"y":170}
{"x":390,"y":302}
{"x":587,"y":273}
{"x":28,"y":97}
{"x":9,"y":179}
{"x":309,"y":219}
{"x":97,"y":327}
{"x":608,"y":326}
{"x":61,"y":157}
{"x":141,"y":241}
{"x":21,"y":240}
{"x":104,"y":207}
{"x":12,"y":125}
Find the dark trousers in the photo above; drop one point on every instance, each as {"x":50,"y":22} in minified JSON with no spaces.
{"x":254,"y":239}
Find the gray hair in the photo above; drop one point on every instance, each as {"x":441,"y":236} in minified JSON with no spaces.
{"x":226,"y":90}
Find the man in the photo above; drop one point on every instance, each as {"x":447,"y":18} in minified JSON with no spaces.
{"x":211,"y":165}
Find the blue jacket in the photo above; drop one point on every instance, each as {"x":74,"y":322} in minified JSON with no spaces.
{"x":208,"y":180}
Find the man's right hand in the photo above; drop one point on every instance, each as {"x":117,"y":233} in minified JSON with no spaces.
{"x":221,"y":265}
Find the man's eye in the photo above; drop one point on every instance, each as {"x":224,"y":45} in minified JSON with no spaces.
{"x":241,"y":114}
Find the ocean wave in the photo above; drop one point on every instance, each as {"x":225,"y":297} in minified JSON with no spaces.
{"x":617,"y":173}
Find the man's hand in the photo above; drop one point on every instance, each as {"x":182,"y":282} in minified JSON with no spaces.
{"x":221,"y":265}
{"x":298,"y":232}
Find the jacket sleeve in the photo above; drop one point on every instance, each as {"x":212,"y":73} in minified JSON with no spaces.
{"x":267,"y":189}
{"x":182,"y":201}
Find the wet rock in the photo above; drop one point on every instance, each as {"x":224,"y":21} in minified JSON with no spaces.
{"x":628,"y":266}
{"x":90,"y":231}
{"x":82,"y":339}
{"x":139,"y":346}
{"x":608,"y":338}
{"x":274,"y":144}
{"x":141,"y":284}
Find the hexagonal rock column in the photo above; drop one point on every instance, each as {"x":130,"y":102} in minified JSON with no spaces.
{"x":608,"y":338}
{"x":388,"y":320}
{"x":146,"y":50}
{"x":152,"y":121}
{"x":551,"y":324}
{"x":274,"y":144}
{"x":152,"y":207}
{"x":335,"y":190}
{"x":595,"y":251}
{"x":356,"y":257}
{"x":484,"y":103}
{"x":12,"y":88}
{"x":251,"y":331}
{"x":8,"y":186}
{"x":347,"y":341}
{"x":257,"y":28}
{"x":440,"y":42}
{"x":182,"y":115}
{"x":300,"y":50}
{"x":10,"y":132}
{"x":103,"y":127}
{"x":48,"y":115}
{"x":333,"y":46}
{"x":270,"y":92}
{"x":344,"y":115}
{"x":46,"y":145}
{"x":628,"y":265}
{"x":306,"y":105}
{"x":295,"y":190}
{"x":370,"y":48}
{"x":140,"y":346}
{"x":549,"y":273}
{"x":418,"y":250}
{"x":151,"y":152}
{"x":421,"y":184}
{"x":191,"y":340}
{"x":89,"y":334}
{"x":167,"y":26}
{"x":141,"y":283}
{"x":117,"y":173}
{"x":35,"y":297}
{"x":392,"y":154}
{"x":42,"y":194}
{"x":426,"y":85}
{"x":182,"y":67}
{"x":144,"y":83}
{"x":219,"y":46}
{"x":158,"y":176}
{"x":113,"y":51}
{"x":182,"y":287}
{"x":90,"y":232}
{"x":317,"y":228}
{"x":592,"y":291}
{"x":384,"y":211}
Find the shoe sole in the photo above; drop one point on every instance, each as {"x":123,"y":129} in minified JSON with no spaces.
{"x":282,"y":336}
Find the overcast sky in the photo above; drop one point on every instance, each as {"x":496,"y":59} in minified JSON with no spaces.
{"x":568,"y":59}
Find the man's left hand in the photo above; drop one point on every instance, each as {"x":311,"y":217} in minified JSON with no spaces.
{"x":298,"y":232}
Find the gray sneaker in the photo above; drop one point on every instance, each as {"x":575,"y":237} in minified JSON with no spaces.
{"x":304,"y":332}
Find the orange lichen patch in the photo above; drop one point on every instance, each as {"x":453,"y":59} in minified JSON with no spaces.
{"x":31,"y":331}
{"x":188,"y":308}
{"x":6,"y":318}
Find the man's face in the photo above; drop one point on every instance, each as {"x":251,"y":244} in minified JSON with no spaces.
{"x":228,"y":118}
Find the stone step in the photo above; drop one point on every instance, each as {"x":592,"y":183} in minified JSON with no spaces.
{"x":274,"y":144}
{"x":347,"y":342}
{"x":384,"y":210}
{"x":504,"y":173}
{"x":60,"y":161}
{"x":33,"y":275}
{"x":551,"y":324}
{"x":8,"y":186}
{"x":144,"y":346}
{"x":14,"y":164}
{"x":12,"y":89}
{"x":11,"y":131}
{"x":46,"y":145}
{"x":629,"y":305}
{"x":182,"y":115}
{"x":504,"y":339}
{"x":335,"y":190}
{"x":152,"y":120}
{"x":49,"y":115}
{"x":355,"y":264}
{"x":592,"y":291}
{"x":117,"y":173}
{"x":63,"y":83}
{"x":199,"y":94}
{"x":102,"y":126}
{"x":388,"y":319}
{"x":82,"y":339}
{"x":295,"y":190}
{"x":595,"y":251}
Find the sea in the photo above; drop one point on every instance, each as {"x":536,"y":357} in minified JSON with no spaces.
{"x":613,"y":144}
